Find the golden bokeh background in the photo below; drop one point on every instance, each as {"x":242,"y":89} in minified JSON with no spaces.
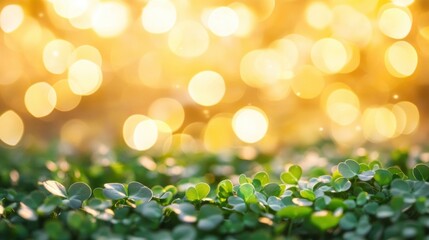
{"x":189,"y":75}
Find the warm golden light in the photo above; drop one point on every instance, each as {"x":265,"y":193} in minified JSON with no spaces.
{"x":246,"y":19}
{"x":318,"y":15}
{"x":342,"y":106}
{"x":40,"y":99}
{"x":346,"y":20}
{"x":57,"y":55}
{"x":395,"y":22}
{"x":403,"y":3}
{"x":70,"y":8}
{"x":260,"y":68}
{"x":169,"y":111}
{"x":66,"y":99}
{"x":250,"y":124}
{"x":159,"y":16}
{"x":215,"y":140}
{"x":207,"y":88}
{"x":84,"y":77}
{"x":110,"y":18}
{"x":412,"y":116}
{"x":145,"y":135}
{"x":401,"y":59}
{"x":289,"y":56}
{"x":83,"y":20}
{"x":188,"y":39}
{"x":12,"y":128}
{"x":308,"y":82}
{"x":349,"y":71}
{"x":87,"y":52}
{"x":329,"y":55}
{"x":378,"y":124}
{"x":223,"y":21}
{"x":11,"y":17}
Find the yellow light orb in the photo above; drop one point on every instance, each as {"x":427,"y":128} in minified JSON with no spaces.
{"x":66,"y":99}
{"x":140,"y":132}
{"x":250,"y":124}
{"x":223,"y":21}
{"x":84,"y":77}
{"x":378,"y":124}
{"x":70,"y":8}
{"x":385,"y":122}
{"x":159,"y":16}
{"x":207,"y":88}
{"x":401,"y":59}
{"x":188,"y":39}
{"x":56,"y":56}
{"x":40,"y":99}
{"x":246,"y":19}
{"x":289,"y":56}
{"x":260,"y":68}
{"x":87,"y":52}
{"x":329,"y":55}
{"x":412,"y":116}
{"x":395,"y":22}
{"x":318,"y":15}
{"x":308,"y":82}
{"x":10,"y":75}
{"x":145,"y":134}
{"x":342,"y":107}
{"x":150,"y":70}
{"x":74,"y":133}
{"x":12,"y":128}
{"x":347,"y":19}
{"x":83,"y":20}
{"x":169,"y":111}
{"x":215,"y":140}
{"x":403,"y":3}
{"x":11,"y":17}
{"x":110,"y":19}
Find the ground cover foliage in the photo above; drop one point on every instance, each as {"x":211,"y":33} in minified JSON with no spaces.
{"x":355,"y":199}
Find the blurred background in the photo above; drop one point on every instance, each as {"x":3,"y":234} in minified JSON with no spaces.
{"x":159,"y":76}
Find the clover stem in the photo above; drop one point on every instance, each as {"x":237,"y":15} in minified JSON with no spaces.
{"x":289,"y":229}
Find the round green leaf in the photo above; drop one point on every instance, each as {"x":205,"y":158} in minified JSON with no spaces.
{"x":294,"y":212}
{"x":27,"y":213}
{"x":246,"y":191}
{"x":139,"y":193}
{"x":366,"y":176}
{"x":421,"y":172}
{"x":308,"y":194}
{"x":262,"y":177}
{"x":209,"y":217}
{"x":341,"y":184}
{"x":191,"y":194}
{"x":114,"y":191}
{"x":150,"y":210}
{"x":80,"y":191}
{"x":399,"y":187}
{"x":384,"y":211}
{"x":184,"y":232}
{"x":185,"y":211}
{"x":383,"y":177}
{"x":362,"y":198}
{"x":349,"y":168}
{"x":348,"y":221}
{"x":49,"y":205}
{"x":203,"y":190}
{"x":272,"y":189}
{"x":292,"y":176}
{"x":55,"y":188}
{"x":324,"y":220}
